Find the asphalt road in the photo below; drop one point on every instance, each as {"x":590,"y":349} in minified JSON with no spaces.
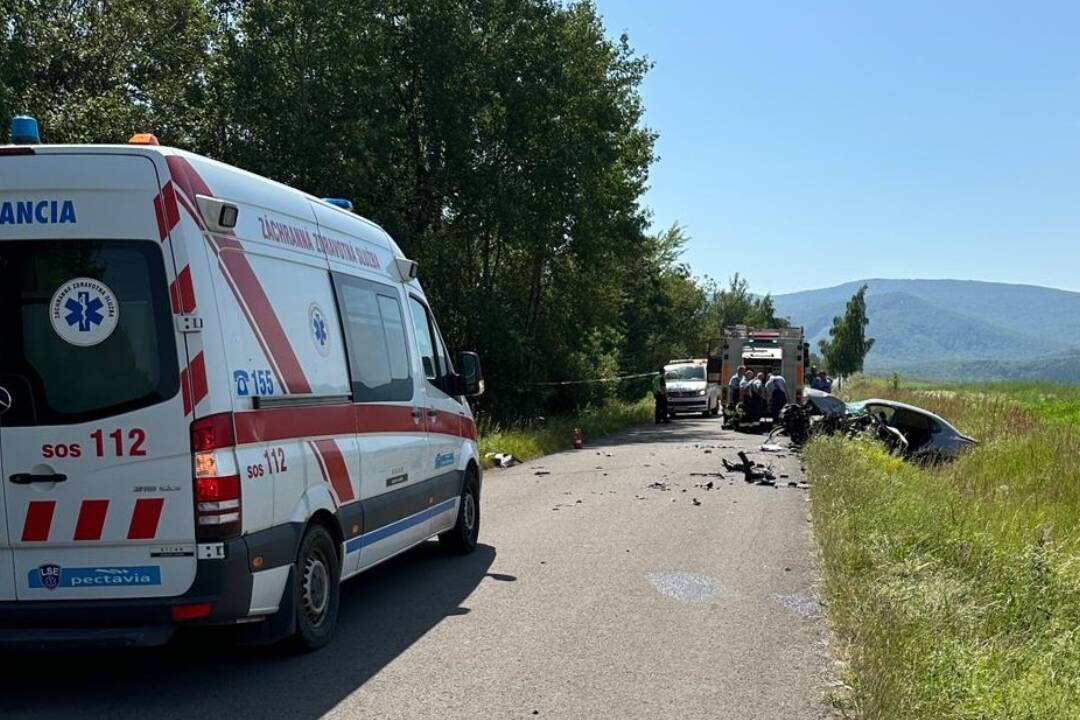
{"x":591,"y":596}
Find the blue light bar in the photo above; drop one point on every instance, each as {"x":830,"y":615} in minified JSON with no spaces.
{"x":24,"y":130}
{"x":340,"y":202}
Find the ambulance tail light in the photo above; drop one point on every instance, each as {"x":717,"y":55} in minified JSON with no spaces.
{"x":197,"y":611}
{"x":217,"y":479}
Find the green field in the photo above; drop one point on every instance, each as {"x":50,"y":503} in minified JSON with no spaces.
{"x":526,"y":441}
{"x":956,"y":590}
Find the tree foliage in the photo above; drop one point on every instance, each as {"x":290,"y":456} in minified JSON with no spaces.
{"x":847,"y":346}
{"x":500,"y":142}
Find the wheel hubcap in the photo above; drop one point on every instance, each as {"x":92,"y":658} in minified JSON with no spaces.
{"x":469,"y":512}
{"x":316,"y":589}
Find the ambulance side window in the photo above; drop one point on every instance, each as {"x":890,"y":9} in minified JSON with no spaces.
{"x":375,"y":337}
{"x":432,"y":352}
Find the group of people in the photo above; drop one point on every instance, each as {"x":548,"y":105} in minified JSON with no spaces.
{"x":758,"y":394}
{"x":754,"y":395}
{"x":820,"y":380}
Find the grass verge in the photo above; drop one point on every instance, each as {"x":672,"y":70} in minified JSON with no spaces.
{"x":526,"y":441}
{"x":957,"y":589}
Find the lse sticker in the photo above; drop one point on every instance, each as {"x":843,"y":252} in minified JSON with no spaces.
{"x":84,"y":312}
{"x":320,"y":330}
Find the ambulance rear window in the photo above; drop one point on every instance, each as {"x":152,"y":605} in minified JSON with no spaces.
{"x":85,"y":330}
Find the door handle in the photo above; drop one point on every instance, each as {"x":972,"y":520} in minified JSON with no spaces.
{"x":416,"y":414}
{"x":27,"y":478}
{"x":433,"y":414}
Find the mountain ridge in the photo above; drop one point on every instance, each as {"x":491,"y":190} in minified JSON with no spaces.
{"x":952,"y":327}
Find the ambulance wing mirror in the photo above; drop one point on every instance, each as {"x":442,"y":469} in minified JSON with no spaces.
{"x":407,"y":269}
{"x":219,"y":215}
{"x":470,"y":378}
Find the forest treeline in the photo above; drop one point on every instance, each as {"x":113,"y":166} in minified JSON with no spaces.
{"x":501,"y":142}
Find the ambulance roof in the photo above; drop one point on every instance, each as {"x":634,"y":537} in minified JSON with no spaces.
{"x":253,"y":189}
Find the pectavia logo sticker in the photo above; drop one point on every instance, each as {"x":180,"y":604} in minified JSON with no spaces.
{"x":51,"y":576}
{"x":84,"y":312}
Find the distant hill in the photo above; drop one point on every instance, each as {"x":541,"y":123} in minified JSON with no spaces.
{"x":945,"y":329}
{"x":1055,"y":370}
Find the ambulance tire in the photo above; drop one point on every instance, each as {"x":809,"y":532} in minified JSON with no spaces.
{"x":462,"y":538}
{"x":317,"y":590}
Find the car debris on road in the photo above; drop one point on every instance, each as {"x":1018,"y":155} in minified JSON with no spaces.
{"x":752,"y":472}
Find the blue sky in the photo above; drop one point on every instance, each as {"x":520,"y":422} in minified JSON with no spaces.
{"x":805,"y":144}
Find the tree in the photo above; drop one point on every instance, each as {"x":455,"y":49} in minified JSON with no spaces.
{"x":502,"y":145}
{"x":99,"y":72}
{"x":847,"y":346}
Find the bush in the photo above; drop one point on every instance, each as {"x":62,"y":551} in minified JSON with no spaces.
{"x":528,"y":440}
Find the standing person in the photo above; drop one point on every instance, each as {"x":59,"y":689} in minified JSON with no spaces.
{"x":755,"y":395}
{"x":815,"y":378}
{"x":659,"y":390}
{"x":744,"y":386}
{"x":733,"y":388}
{"x":776,"y":393}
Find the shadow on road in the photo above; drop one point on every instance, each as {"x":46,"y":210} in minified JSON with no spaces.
{"x":383,"y":612}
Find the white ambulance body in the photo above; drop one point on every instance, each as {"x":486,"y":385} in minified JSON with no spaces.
{"x":219,"y":396}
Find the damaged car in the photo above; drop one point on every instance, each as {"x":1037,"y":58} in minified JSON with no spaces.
{"x":911,"y":431}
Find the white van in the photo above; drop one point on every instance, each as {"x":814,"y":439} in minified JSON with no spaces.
{"x":690,"y":389}
{"x":219,"y":397}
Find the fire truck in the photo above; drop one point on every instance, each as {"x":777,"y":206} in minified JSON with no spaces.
{"x":781,"y":351}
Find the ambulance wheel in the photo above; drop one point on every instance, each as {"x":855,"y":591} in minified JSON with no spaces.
{"x":317,"y":589}
{"x":461,"y":539}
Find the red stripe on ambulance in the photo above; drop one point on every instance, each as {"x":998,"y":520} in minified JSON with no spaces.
{"x":336,"y":471}
{"x":39,"y":515}
{"x":193,"y":383}
{"x":237,"y":266}
{"x":244,"y":283}
{"x":182,"y":292}
{"x":144,"y":519}
{"x":91,"y":519}
{"x":165,"y":211}
{"x":293,"y":423}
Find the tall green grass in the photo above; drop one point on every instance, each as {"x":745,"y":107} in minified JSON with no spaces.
{"x":1059,"y":403}
{"x":957,"y":588}
{"x":532,"y":439}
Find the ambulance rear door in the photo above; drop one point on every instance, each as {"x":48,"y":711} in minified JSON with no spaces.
{"x":94,"y":447}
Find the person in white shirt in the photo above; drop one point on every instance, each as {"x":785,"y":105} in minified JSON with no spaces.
{"x":733,"y":387}
{"x":776,"y":393}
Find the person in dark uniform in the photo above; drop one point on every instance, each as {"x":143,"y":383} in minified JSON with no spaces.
{"x":660,"y":395}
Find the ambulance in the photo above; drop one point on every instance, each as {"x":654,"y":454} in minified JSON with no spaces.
{"x":219,"y":398}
